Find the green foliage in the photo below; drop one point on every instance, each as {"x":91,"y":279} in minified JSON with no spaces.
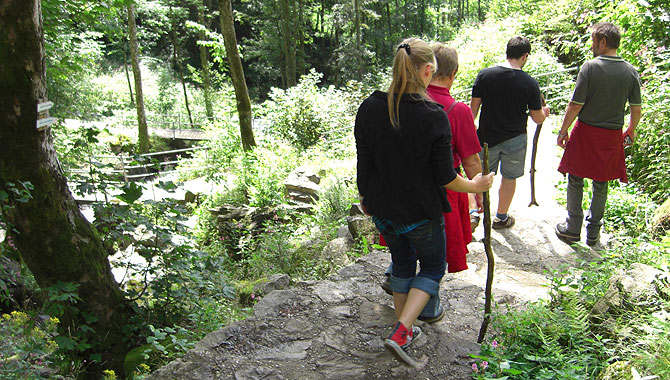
{"x":26,"y":346}
{"x":275,"y":252}
{"x":558,"y":340}
{"x":543,"y":342}
{"x":305,"y":114}
{"x":335,"y":200}
{"x":218,"y":159}
{"x":629,"y":212}
{"x":649,"y":159}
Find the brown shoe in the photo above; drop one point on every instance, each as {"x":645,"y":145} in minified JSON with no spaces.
{"x":474,"y":221}
{"x":500,"y":224}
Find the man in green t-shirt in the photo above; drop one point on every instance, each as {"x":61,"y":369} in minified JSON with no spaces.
{"x":594,"y":148}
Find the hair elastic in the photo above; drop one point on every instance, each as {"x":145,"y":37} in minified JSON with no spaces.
{"x":406,"y":47}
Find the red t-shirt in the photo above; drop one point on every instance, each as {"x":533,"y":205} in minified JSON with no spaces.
{"x":464,"y":141}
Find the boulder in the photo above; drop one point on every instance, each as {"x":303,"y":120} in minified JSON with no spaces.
{"x":227,"y":213}
{"x":637,"y":284}
{"x":361,"y":225}
{"x":335,"y":251}
{"x":661,"y":218}
{"x":620,"y":370}
{"x":274,"y":282}
{"x":343,"y":232}
{"x":302,"y":186}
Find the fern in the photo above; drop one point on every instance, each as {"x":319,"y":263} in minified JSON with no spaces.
{"x":577,"y":318}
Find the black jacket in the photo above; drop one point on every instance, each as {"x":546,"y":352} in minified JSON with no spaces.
{"x":402,"y":171}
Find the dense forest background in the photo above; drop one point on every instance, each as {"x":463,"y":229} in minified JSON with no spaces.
{"x":307,"y":65}
{"x":278,"y":40}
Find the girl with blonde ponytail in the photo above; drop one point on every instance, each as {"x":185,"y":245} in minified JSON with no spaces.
{"x":411,"y":54}
{"x":403,"y":144}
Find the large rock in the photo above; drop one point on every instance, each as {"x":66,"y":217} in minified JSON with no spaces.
{"x":661,"y":218}
{"x":225,"y":213}
{"x":274,"y":282}
{"x":617,"y":371}
{"x":336,"y":250}
{"x":637,"y":284}
{"x":361,"y":225}
{"x":302,"y":186}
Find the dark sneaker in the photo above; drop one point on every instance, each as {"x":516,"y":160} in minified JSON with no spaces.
{"x":563,"y":234}
{"x":386,"y":285}
{"x":399,"y":340}
{"x":592,"y":241}
{"x":500,"y":224}
{"x":474,"y":221}
{"x":434,"y":319}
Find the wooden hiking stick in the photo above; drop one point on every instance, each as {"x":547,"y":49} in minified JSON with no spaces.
{"x":487,"y":247}
{"x":536,"y":138}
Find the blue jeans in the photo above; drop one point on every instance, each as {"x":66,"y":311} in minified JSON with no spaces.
{"x":427,"y":244}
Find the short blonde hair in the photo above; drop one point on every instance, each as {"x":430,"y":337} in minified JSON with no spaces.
{"x":447,"y":59}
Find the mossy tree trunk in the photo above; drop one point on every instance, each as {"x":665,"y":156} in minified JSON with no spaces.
{"x":56,"y":242}
{"x":237,"y":74}
{"x":143,"y":131}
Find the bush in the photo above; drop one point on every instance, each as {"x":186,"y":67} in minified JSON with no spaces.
{"x":26,"y":347}
{"x":305,"y":114}
{"x":649,"y":159}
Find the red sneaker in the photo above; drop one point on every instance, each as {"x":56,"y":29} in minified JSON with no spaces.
{"x":400,"y":339}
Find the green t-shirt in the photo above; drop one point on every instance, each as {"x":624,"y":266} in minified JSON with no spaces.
{"x":604,"y":85}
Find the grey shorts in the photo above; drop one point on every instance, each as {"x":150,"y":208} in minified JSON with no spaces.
{"x":510,"y":155}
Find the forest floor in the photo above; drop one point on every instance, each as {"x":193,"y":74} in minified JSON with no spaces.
{"x":334,"y":329}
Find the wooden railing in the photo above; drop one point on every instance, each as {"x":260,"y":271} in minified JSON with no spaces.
{"x":125,"y":165}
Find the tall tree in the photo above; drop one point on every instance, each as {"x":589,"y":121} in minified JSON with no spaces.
{"x":177,"y":59}
{"x":204,"y":60}
{"x":143,"y":130}
{"x":288,"y":40}
{"x":357,"y":32}
{"x":54,"y":239}
{"x":237,"y":74}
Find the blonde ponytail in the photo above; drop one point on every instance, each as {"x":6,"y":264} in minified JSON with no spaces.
{"x":410,"y":55}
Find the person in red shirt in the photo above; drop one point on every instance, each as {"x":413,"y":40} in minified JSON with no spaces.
{"x":465,"y":151}
{"x":465,"y":146}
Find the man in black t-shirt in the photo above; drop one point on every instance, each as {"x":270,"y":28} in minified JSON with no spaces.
{"x":505,"y":94}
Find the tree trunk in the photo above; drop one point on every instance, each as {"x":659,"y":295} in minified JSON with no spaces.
{"x":54,"y":239}
{"x":143,"y":131}
{"x":288,"y":42}
{"x":300,"y":38}
{"x":237,"y":74}
{"x":130,"y":83}
{"x":357,"y":30}
{"x":390,"y":21}
{"x":204,"y":62}
{"x":180,"y":74}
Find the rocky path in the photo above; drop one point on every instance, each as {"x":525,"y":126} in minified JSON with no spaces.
{"x":333,"y":329}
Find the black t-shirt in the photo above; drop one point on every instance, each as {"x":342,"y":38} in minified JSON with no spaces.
{"x":506,"y":95}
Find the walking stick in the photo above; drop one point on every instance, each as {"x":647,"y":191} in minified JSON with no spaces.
{"x":536,"y":138}
{"x":487,"y":248}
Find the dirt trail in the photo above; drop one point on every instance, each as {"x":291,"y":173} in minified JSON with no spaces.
{"x":333,"y":329}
